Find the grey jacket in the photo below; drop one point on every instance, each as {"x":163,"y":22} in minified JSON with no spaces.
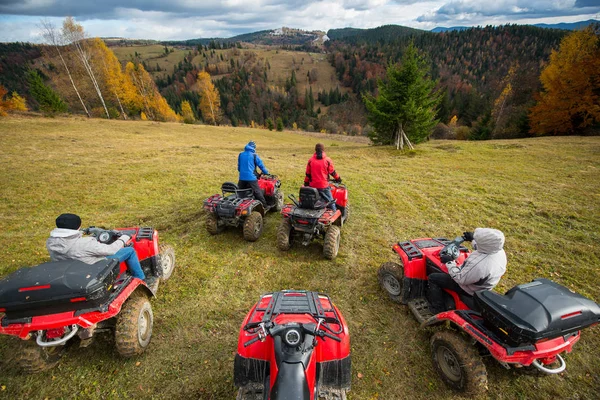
{"x":485,"y":266}
{"x":69,"y":244}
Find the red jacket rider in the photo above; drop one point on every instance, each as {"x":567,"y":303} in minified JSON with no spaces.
{"x":319,"y":168}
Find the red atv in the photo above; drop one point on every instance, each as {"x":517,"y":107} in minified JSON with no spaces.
{"x":528,"y":327}
{"x":293,"y":345}
{"x":311,"y":217}
{"x":54,"y":303}
{"x":235,"y":207}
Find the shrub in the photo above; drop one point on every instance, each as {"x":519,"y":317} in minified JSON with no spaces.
{"x":462,"y":133}
{"x":279,"y":124}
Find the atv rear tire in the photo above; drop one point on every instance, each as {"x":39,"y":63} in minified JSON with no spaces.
{"x":253,"y":226}
{"x":212,"y":224}
{"x":166,"y":260}
{"x":331,"y":244}
{"x":134,"y":326}
{"x":458,"y":363}
{"x":284,"y":235}
{"x":278,"y":201}
{"x":32,"y":358}
{"x":391,"y":276}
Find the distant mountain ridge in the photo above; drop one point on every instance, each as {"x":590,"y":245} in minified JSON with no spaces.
{"x":569,"y":26}
{"x":275,"y":37}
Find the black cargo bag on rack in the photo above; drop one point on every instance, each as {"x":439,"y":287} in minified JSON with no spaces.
{"x":538,"y":310}
{"x":59,"y":286}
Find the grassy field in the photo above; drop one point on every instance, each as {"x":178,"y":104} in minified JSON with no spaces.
{"x":543,"y":193}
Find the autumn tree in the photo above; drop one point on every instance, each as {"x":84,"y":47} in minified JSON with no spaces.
{"x":55,"y":39}
{"x":112,"y":74}
{"x":406,"y":102}
{"x":210,"y":101}
{"x":570,"y":99}
{"x":186,"y":112}
{"x":74,"y":35}
{"x":148,"y":97}
{"x":14,"y":102}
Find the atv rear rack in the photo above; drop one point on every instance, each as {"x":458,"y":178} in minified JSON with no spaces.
{"x":298,"y":302}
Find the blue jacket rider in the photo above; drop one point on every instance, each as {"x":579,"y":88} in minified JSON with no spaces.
{"x":248,"y":160}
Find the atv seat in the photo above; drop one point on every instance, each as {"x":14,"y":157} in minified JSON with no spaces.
{"x":230,"y":187}
{"x":310,"y":199}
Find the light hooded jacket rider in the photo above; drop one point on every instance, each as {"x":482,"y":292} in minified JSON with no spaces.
{"x":69,"y":244}
{"x":485,"y":266}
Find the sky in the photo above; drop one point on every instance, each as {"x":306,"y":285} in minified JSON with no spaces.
{"x":188,"y":19}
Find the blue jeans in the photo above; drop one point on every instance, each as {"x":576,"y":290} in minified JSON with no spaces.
{"x":326,"y":195}
{"x":129,"y":255}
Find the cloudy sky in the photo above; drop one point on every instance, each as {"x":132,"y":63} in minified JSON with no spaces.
{"x":187,"y":19}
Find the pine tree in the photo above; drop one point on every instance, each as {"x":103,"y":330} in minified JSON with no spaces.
{"x":47,"y":98}
{"x":406,"y":102}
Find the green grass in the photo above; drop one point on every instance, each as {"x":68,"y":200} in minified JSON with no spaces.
{"x":543,"y":193}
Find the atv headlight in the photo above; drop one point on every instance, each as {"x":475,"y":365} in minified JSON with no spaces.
{"x":292,"y":337}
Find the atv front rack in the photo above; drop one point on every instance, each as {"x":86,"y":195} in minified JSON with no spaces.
{"x":298,"y":302}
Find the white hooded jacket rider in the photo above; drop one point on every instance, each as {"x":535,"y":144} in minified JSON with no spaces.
{"x":69,"y":244}
{"x":485,"y":266}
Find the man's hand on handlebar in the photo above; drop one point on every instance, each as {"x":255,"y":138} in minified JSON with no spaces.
{"x":468,"y":236}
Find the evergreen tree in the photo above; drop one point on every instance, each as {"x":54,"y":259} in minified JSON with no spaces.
{"x":44,"y":95}
{"x":406,"y":101}
{"x":279,"y":124}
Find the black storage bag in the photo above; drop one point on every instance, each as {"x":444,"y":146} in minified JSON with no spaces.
{"x":51,"y":287}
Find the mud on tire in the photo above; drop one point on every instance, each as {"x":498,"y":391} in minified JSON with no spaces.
{"x":31,"y":358}
{"x":212,"y":224}
{"x":458,"y":363}
{"x":253,"y":226}
{"x":390,"y":276}
{"x":331,"y":244}
{"x":166,"y":259}
{"x":284,"y":232}
{"x":134,"y":326}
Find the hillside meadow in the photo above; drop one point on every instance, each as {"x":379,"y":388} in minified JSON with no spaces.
{"x":543,"y":193}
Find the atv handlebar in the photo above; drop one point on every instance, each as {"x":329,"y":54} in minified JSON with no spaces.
{"x":273,"y":329}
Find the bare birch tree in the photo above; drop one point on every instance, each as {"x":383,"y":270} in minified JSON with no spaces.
{"x":54,"y":39}
{"x":74,"y":35}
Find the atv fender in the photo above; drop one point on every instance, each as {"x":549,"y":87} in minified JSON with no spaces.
{"x":338,"y":218}
{"x":143,"y":288}
{"x":256,"y":206}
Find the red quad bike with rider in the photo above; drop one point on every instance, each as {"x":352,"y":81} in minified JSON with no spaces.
{"x":238,"y":207}
{"x":528,"y":327}
{"x":51,"y":305}
{"x":293,"y":345}
{"x":311,"y":217}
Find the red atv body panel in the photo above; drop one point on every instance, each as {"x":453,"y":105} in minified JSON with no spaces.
{"x":340,"y":194}
{"x":415,"y":256}
{"x":268,"y":184}
{"x":144,"y":242}
{"x":328,"y":217}
{"x":327,"y":351}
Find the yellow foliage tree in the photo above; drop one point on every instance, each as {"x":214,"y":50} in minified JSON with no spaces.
{"x":186,"y":112}
{"x":12,"y":103}
{"x":210,"y":101}
{"x":570,"y":100}
{"x":147,"y":96}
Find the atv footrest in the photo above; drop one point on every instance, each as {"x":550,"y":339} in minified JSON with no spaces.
{"x":420,"y":309}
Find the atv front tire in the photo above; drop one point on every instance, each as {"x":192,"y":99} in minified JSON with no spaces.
{"x":253,"y":226}
{"x":331,"y":244}
{"x":390,"y":276}
{"x":32,"y":358}
{"x":166,"y":260}
{"x":134,"y":326}
{"x":284,"y":235}
{"x":278,"y":201}
{"x":458,"y":363}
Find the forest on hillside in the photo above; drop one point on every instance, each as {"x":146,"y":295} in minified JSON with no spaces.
{"x":473,"y":68}
{"x":489,"y":78}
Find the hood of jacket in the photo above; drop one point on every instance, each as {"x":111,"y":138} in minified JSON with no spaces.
{"x":249,"y":148}
{"x":489,"y":241}
{"x":322,"y":157}
{"x":62,"y":239}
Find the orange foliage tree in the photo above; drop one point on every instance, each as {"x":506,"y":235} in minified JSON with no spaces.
{"x":570,"y":100}
{"x":12,"y":103}
{"x":147,"y":97}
